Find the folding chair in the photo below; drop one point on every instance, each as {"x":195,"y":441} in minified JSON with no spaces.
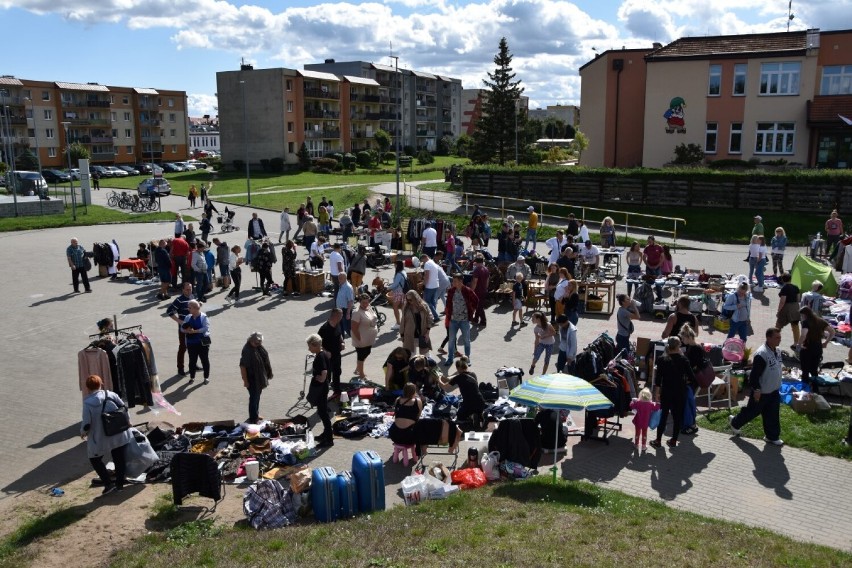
{"x":722,"y":380}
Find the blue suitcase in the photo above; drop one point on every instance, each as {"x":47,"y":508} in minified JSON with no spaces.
{"x":369,"y":474}
{"x":348,"y":494}
{"x":324,"y":494}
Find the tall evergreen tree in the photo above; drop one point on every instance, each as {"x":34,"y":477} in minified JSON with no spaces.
{"x":494,"y":137}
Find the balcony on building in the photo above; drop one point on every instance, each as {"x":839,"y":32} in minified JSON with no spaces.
{"x":322,"y":134}
{"x":321,"y":113}
{"x":103,"y":156}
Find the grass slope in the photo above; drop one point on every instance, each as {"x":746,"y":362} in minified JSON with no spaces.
{"x":96,"y":215}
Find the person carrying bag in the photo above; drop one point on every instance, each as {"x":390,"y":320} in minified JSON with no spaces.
{"x":102,"y":407}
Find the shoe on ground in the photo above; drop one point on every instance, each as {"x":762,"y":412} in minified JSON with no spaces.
{"x":324,"y":442}
{"x":191,"y":380}
{"x":654,"y":444}
{"x":778,"y":442}
{"x":111,"y":488}
{"x":672,"y":443}
{"x":182,"y":373}
{"x":523,"y":324}
{"x":448,"y":363}
{"x":395,"y":327}
{"x":532,"y":370}
{"x":206,"y":382}
{"x":89,"y":291}
{"x":736,"y":431}
{"x":442,"y":351}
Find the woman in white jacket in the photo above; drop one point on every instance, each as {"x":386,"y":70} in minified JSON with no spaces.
{"x":285,"y":225}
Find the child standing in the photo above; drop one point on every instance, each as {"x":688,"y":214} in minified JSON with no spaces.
{"x":518,"y":299}
{"x":644,"y":407}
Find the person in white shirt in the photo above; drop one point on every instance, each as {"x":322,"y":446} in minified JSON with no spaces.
{"x":317,"y":251}
{"x":555,"y":244}
{"x":285,"y":225}
{"x":443,"y":279}
{"x":584,"y":232}
{"x":590,"y":255}
{"x":336,"y":265}
{"x":430,"y":241}
{"x":431,"y":284}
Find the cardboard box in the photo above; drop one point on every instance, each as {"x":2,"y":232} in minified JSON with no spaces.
{"x":803,"y":406}
{"x":643,"y":346}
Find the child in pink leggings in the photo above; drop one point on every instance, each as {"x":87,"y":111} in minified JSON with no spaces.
{"x":644,"y":407}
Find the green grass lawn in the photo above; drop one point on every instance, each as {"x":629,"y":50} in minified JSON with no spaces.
{"x":529,"y":523}
{"x":342,"y":198}
{"x":820,"y":433}
{"x":95,"y":215}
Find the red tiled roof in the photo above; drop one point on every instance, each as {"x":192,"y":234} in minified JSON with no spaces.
{"x":704,"y":47}
{"x":824,"y":109}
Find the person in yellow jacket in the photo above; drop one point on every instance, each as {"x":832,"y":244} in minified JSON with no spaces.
{"x":532,"y":228}
{"x":193,"y":195}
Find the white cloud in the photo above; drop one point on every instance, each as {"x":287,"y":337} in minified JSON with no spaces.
{"x":200,"y":104}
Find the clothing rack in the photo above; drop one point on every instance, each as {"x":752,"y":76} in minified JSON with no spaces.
{"x":124,"y":331}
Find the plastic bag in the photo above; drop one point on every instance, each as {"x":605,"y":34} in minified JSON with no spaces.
{"x":138,"y":454}
{"x":469,"y":478}
{"x":415,"y":489}
{"x":654,"y":421}
{"x":491,"y":466}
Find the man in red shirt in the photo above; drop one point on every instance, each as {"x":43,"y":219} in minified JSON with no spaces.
{"x":833,"y":234}
{"x":653,"y":258}
{"x":374,"y":224}
{"x":179,"y":251}
{"x":479,"y":285}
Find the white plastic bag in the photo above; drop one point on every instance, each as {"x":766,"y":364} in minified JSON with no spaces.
{"x":415,"y":489}
{"x":491,"y":466}
{"x":821,"y":403}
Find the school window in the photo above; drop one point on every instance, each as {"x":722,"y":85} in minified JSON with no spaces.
{"x":48,"y":133}
{"x":740,"y":70}
{"x":289,"y":84}
{"x":836,"y":80}
{"x":289,"y":106}
{"x":159,"y":101}
{"x":779,"y":79}
{"x":710,"y":137}
{"x":127,"y":117}
{"x":30,"y":132}
{"x":48,"y":114}
{"x":290,"y":126}
{"x":128,"y":133}
{"x":51,"y":152}
{"x":714,"y":87}
{"x":162,"y":132}
{"x":775,"y":138}
{"x":45,"y":95}
{"x":735,"y":145}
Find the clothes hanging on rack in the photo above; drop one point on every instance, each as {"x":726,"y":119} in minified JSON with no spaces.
{"x":94,"y":360}
{"x":133,"y":381}
{"x":116,"y":256}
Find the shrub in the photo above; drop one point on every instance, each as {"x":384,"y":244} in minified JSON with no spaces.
{"x":329,"y":164}
{"x":215,"y":163}
{"x":335,"y":156}
{"x":445,"y":145}
{"x":349,"y":159}
{"x":424,"y":157}
{"x":321,"y":170}
{"x":365,"y":160}
{"x":264,"y":164}
{"x":304,"y":157}
{"x":389,"y":157}
{"x":239,"y":165}
{"x":730,"y":163}
{"x":277,"y":165}
{"x":688,"y":154}
{"x":409,"y":150}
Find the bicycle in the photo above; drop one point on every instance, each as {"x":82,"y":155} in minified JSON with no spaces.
{"x":112,"y":199}
{"x":124,"y":200}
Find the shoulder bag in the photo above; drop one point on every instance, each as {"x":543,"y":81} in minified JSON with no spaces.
{"x":116,"y":421}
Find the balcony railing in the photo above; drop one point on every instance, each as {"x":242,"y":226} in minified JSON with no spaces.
{"x":425,"y":132}
{"x":365,"y":98}
{"x":321,"y":93}
{"x":103,"y":156}
{"x":320,"y":134}
{"x":90,"y":121}
{"x":17,"y":120}
{"x":101,"y":139}
{"x":320,"y":113}
{"x":80,"y":139}
{"x":98,"y":104}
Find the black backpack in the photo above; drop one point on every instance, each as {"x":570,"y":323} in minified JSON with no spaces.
{"x":406,"y":284}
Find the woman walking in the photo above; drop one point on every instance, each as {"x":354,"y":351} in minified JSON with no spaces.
{"x":235,"y":261}
{"x":288,"y":265}
{"x":196,"y":327}
{"x":695,"y":354}
{"x":545,"y":337}
{"x":397,"y":291}
{"x":671,"y":377}
{"x":416,"y":323}
{"x":98,"y":443}
{"x":364,"y":332}
{"x":817,"y":335}
{"x":607,"y":232}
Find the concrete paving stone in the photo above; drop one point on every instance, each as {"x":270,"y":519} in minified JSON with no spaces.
{"x":46,"y":325}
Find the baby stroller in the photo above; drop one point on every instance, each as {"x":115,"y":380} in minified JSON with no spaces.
{"x":378,"y":297}
{"x":227,"y":221}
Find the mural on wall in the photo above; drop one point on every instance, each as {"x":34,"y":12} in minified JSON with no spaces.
{"x":674,"y":116}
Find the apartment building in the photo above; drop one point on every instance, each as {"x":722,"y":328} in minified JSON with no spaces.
{"x":118,"y":125}
{"x":568,"y":114}
{"x":773,"y":96}
{"x":203,"y":135}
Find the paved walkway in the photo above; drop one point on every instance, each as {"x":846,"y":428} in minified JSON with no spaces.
{"x":786,"y":490}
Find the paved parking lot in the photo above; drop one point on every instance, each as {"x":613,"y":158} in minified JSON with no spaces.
{"x":46,"y":325}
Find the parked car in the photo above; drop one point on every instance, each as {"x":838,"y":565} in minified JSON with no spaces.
{"x":116,"y":171}
{"x":160,"y":185}
{"x":144,"y":168}
{"x":131,"y":171}
{"x":171,"y":167}
{"x":26,"y":183}
{"x":55,"y":176}
{"x":100,"y":170}
{"x":199,"y":165}
{"x":187,"y":166}
{"x":74,"y":173}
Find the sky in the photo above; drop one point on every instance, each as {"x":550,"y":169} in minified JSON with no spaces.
{"x":181,"y":44}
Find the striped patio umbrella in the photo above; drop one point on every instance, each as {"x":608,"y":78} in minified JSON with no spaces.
{"x":559,"y":391}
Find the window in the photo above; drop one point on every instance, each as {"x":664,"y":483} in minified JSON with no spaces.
{"x":51,"y":152}
{"x":113,"y":116}
{"x":159,"y":101}
{"x":836,"y":80}
{"x":115,"y":132}
{"x":171,"y":103}
{"x":28,"y":94}
{"x":115,"y":150}
{"x":173,"y":132}
{"x":735,"y":146}
{"x":126,"y":117}
{"x":30,"y":132}
{"x":171,"y":117}
{"x":48,"y":114}
{"x":128,"y":133}
{"x":289,"y":84}
{"x":289,"y":106}
{"x":129,"y":149}
{"x":779,"y":78}
{"x":125,"y":100}
{"x":45,"y":95}
{"x":290,"y":126}
{"x":291,"y":147}
{"x":775,"y":138}
{"x":174,"y":149}
{"x":710,"y":137}
{"x":740,"y":70}
{"x":48,"y":133}
{"x":714,"y":87}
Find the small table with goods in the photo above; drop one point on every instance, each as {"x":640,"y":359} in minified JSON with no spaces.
{"x":604,"y":290}
{"x":310,"y":282}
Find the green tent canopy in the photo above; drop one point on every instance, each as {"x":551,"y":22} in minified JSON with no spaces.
{"x":806,"y":270}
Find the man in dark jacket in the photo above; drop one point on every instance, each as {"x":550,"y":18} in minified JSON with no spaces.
{"x":333,"y":344}
{"x":256,"y":230}
{"x":256,"y":372}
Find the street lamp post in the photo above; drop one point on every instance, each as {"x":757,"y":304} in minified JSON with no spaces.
{"x":516,"y":131}
{"x":65,"y":125}
{"x":150,"y":136}
{"x":5,"y":136}
{"x":399,"y":132}
{"x":245,"y":143}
